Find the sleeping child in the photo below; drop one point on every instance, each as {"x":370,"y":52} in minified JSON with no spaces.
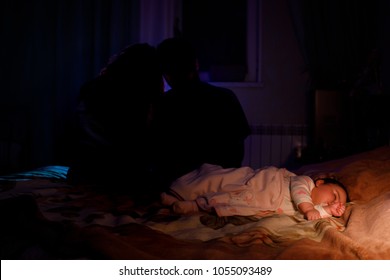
{"x":244,"y":191}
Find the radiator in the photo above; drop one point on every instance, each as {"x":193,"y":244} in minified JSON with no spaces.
{"x":278,"y":145}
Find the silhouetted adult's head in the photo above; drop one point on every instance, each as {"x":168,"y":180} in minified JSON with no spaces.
{"x":178,"y":60}
{"x":136,"y":66}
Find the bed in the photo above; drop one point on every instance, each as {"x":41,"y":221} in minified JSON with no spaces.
{"x":43,"y":217}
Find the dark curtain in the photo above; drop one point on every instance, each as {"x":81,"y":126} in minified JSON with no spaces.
{"x":337,"y":39}
{"x":48,"y":49}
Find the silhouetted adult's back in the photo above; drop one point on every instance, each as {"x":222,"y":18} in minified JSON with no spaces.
{"x":112,"y":145}
{"x":195,"y":122}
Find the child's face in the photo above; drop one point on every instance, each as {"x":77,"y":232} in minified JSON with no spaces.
{"x":328,"y":194}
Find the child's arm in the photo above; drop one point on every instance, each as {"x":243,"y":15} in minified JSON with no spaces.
{"x":317,"y":212}
{"x":300,"y":194}
{"x":308,"y":210}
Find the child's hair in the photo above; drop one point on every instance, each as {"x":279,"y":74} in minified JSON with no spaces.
{"x":329,"y":180}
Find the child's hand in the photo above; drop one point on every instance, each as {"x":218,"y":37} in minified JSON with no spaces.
{"x":337,"y":209}
{"x":313,"y":214}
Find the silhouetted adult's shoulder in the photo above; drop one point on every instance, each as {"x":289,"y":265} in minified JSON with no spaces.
{"x":225,"y":102}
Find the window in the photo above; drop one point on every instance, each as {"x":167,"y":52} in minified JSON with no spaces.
{"x":219,"y":31}
{"x":226,"y":34}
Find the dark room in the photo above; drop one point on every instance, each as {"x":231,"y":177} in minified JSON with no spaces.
{"x":195,"y":130}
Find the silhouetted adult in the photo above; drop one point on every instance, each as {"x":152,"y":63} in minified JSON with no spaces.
{"x":112,"y":145}
{"x":196,"y":122}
